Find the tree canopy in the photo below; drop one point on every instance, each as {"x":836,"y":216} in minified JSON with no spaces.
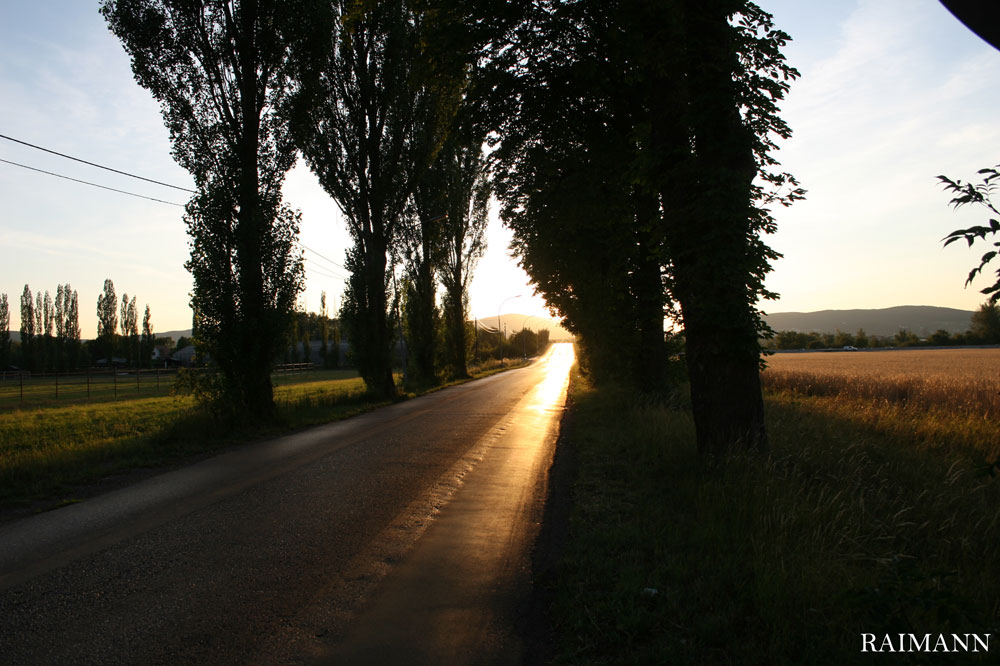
{"x":219,"y":70}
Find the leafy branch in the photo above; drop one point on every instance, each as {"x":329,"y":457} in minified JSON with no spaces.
{"x":977,"y":194}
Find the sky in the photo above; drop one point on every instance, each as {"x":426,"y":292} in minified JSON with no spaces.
{"x":892,"y":93}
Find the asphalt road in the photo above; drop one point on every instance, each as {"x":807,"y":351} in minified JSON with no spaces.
{"x":399,"y":536}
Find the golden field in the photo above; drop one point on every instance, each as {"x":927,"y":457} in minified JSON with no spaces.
{"x":965,"y":381}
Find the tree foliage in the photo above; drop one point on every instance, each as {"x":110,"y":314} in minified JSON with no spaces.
{"x":368,"y":113}
{"x":458,"y":187}
{"x":219,"y":70}
{"x":635,"y":169}
{"x":107,"y":319}
{"x":4,"y":331}
{"x":148,"y":339}
{"x":985,"y":323}
{"x":979,"y":194}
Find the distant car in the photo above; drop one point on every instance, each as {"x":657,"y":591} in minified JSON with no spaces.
{"x":850,"y":348}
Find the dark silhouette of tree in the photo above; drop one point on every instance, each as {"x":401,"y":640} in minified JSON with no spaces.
{"x":148,"y":339}
{"x":635,"y":170}
{"x":218,"y":69}
{"x":977,"y":195}
{"x":368,"y":112}
{"x":330,"y":355}
{"x":71,"y":326}
{"x":455,"y":195}
{"x":129,"y":322}
{"x":107,"y":320}
{"x":567,"y":177}
{"x":4,"y":331}
{"x":985,"y":323}
{"x":27,"y":329}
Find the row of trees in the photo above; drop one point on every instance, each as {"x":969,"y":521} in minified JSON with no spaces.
{"x":50,"y":331}
{"x":136,"y":349}
{"x":309,"y":326}
{"x":374,"y":96}
{"x":634,"y":165}
{"x":632,"y":158}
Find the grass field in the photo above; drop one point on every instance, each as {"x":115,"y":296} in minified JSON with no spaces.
{"x":46,"y":450}
{"x":966,"y":380}
{"x":868,"y":515}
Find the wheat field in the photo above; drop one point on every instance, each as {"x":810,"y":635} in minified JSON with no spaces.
{"x":959,"y":380}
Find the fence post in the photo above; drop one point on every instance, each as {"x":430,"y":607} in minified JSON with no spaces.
{"x":157,"y":379}
{"x":88,"y":382}
{"x":138,"y":371}
{"x":114,"y":379}
{"x":57,"y":386}
{"x":20,"y":376}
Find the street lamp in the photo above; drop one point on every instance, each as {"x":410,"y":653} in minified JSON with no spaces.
{"x":510,"y":298}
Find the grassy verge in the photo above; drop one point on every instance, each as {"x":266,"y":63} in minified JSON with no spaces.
{"x":47,"y":453}
{"x":851,"y":525}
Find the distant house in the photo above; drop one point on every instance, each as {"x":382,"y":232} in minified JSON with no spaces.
{"x":184,"y":356}
{"x":161,"y":355}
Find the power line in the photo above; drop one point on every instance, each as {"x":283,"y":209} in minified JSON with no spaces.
{"x":320,"y":255}
{"x":93,"y":164}
{"x":322,"y":270}
{"x":103,"y":187}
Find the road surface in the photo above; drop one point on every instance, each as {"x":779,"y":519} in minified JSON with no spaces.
{"x":401,"y":536}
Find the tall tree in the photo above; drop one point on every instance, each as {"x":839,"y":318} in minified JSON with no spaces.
{"x":4,"y":331}
{"x":71,"y":326}
{"x":148,"y":339}
{"x":130,"y":328}
{"x":460,"y":182}
{"x":568,"y":175}
{"x":59,"y":318}
{"x":41,"y":338}
{"x":324,"y":330}
{"x":713,"y":134}
{"x":218,"y":69}
{"x":27,"y":328}
{"x":368,"y":116}
{"x":107,"y":320}
{"x":635,"y":173}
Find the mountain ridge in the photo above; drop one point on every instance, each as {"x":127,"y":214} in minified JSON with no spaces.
{"x":922,"y":320}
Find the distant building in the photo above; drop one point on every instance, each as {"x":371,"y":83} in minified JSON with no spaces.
{"x":183,"y":356}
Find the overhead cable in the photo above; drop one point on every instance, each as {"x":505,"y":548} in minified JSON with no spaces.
{"x":94,"y":164}
{"x":103,"y":187}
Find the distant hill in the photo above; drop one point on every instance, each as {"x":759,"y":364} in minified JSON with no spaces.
{"x":176,"y":335}
{"x":514,"y":323}
{"x":921,"y":320}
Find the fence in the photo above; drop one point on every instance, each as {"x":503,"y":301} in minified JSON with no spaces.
{"x":26,"y":388}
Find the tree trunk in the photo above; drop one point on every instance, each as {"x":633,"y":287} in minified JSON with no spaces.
{"x":706,"y":195}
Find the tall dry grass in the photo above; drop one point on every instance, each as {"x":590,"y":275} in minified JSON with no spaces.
{"x":965,"y":381}
{"x":864,"y":517}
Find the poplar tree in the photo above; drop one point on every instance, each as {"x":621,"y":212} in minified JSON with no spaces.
{"x":130,"y":328}
{"x":148,"y":339}
{"x":27,"y":329}
{"x":107,"y":319}
{"x":218,"y":69}
{"x":368,"y":115}
{"x":71,"y":326}
{"x":4,"y":331}
{"x":459,"y":181}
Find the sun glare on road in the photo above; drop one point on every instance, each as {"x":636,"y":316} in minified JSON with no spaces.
{"x":551,"y":391}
